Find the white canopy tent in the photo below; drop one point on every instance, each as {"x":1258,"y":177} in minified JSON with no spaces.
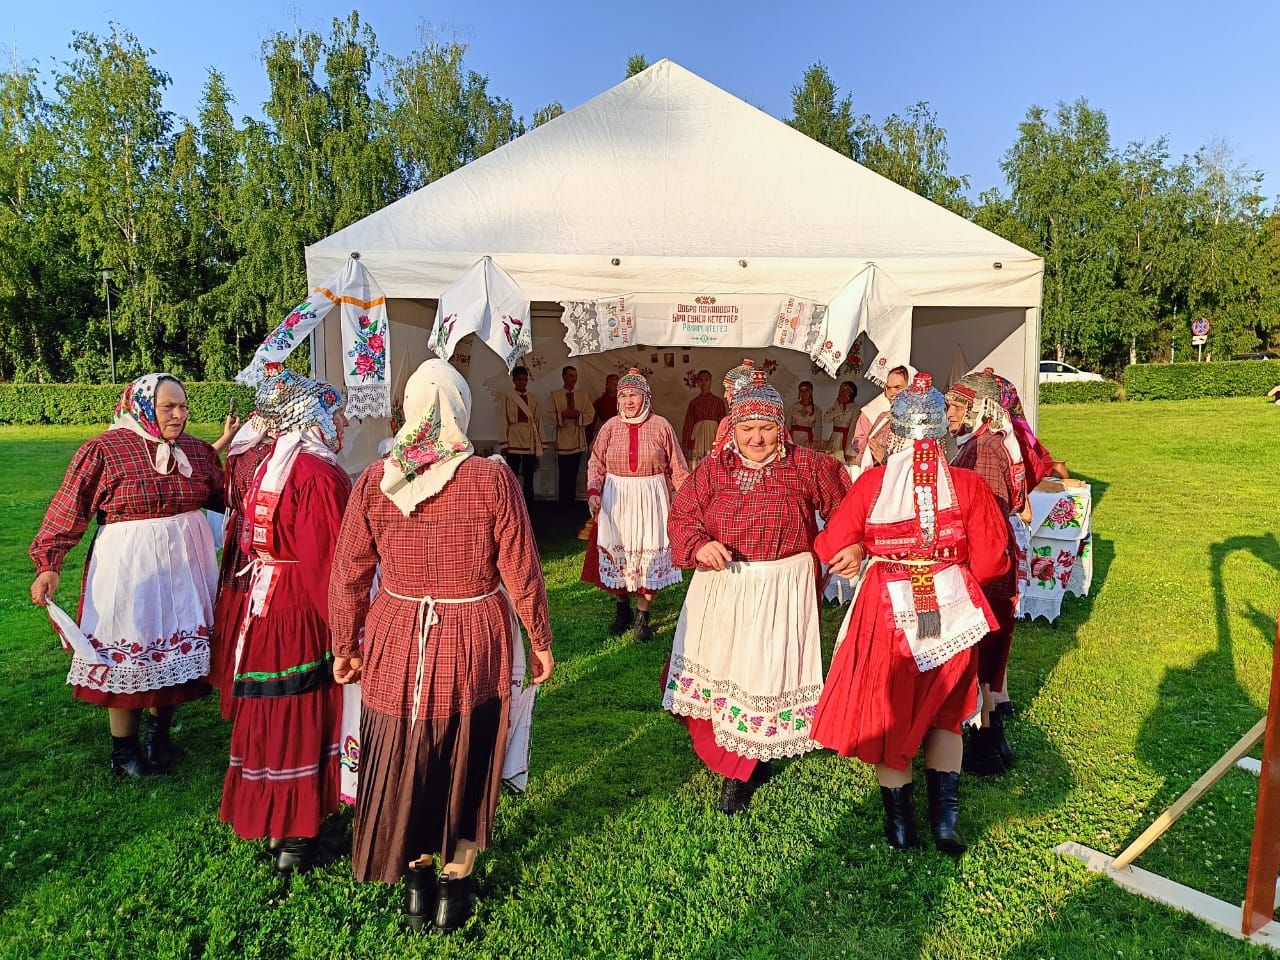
{"x":663,"y":190}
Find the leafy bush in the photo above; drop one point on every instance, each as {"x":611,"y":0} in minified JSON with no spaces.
{"x":94,"y":403}
{"x":1093,"y":391}
{"x":1188,"y":381}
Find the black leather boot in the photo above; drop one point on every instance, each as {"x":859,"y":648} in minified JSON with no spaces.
{"x":944,"y":810}
{"x":295,"y":855}
{"x":735,"y":795}
{"x":160,"y":751}
{"x":455,"y":901}
{"x":643,"y":632}
{"x":982,"y":753}
{"x":419,"y":895}
{"x":127,"y":759}
{"x":623,"y":619}
{"x":900,"y":816}
{"x":1002,"y":744}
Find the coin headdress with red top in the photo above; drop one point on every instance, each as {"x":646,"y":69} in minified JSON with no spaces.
{"x":740,"y":376}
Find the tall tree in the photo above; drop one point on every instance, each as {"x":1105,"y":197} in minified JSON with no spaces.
{"x":544,"y":114}
{"x":821,"y":113}
{"x":443,"y":116}
{"x":911,"y":150}
{"x":114,"y":146}
{"x":636,"y":63}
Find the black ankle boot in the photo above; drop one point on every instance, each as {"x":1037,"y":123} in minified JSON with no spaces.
{"x":419,"y":895}
{"x":127,"y":759}
{"x":295,"y":855}
{"x":900,"y":816}
{"x":1002,"y":744}
{"x":455,"y":901}
{"x":160,"y":751}
{"x":735,"y":795}
{"x":982,"y":753}
{"x":623,"y":619}
{"x":643,"y":632}
{"x":944,"y":810}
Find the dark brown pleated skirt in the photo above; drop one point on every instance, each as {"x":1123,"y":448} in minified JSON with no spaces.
{"x":423,"y":790}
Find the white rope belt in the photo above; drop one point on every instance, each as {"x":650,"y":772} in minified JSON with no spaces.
{"x":425,"y":619}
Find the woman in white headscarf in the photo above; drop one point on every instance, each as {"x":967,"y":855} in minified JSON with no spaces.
{"x":147,"y":606}
{"x":451,"y":534}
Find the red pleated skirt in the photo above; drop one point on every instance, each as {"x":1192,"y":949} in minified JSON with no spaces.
{"x":173,"y":696}
{"x":284,"y":775}
{"x":222,"y":645}
{"x":877,"y":705}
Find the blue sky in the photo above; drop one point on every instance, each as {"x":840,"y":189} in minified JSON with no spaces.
{"x":1194,"y":72}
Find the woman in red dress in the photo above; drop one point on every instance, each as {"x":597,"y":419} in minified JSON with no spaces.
{"x":458,"y":561}
{"x":746,"y":662}
{"x":251,"y":446}
{"x":904,"y":673}
{"x":146,"y":609}
{"x":283,"y":777}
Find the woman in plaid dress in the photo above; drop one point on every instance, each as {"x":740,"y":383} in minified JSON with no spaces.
{"x":458,"y":560}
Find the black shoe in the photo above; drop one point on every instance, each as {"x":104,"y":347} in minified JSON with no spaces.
{"x":944,"y":810}
{"x":455,"y":901}
{"x":900,"y":816}
{"x":419,"y":896}
{"x":735,"y":795}
{"x":623,"y":619}
{"x":762,"y":774}
{"x":643,"y":632}
{"x":295,"y":855}
{"x":982,"y":753}
{"x":127,"y":760}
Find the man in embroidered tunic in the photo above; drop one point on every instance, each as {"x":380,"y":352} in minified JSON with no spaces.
{"x":520,"y":431}
{"x":570,"y":422}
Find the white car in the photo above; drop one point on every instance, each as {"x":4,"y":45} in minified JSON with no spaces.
{"x":1051,"y":371}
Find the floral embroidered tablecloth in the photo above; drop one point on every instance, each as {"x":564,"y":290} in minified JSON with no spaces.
{"x":1061,"y":557}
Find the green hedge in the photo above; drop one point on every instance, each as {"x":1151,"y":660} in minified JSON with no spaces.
{"x":1188,"y":381}
{"x":1091,"y":391}
{"x":94,"y":403}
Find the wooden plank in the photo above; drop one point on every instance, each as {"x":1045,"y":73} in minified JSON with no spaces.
{"x":1217,"y":913}
{"x":1184,"y":802}
{"x":1264,"y":852}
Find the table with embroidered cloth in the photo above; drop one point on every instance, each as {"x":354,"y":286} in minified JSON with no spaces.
{"x":1061,"y":553}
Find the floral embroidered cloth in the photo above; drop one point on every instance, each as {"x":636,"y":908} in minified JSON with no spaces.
{"x":1061,"y":557}
{"x":365,"y":338}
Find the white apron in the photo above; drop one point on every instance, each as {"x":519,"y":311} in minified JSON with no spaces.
{"x":748,"y":656}
{"x":631,"y":533}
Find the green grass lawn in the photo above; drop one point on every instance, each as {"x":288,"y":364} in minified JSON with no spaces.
{"x":617,"y":849}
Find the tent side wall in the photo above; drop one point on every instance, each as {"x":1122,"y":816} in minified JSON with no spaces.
{"x":943,"y":340}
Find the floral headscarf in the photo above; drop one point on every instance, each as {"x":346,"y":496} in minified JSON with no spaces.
{"x":433,"y":443}
{"x":136,"y":412}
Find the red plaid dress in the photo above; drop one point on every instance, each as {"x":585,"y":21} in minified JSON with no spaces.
{"x":986,"y":456}
{"x":459,"y":544}
{"x":113,"y":477}
{"x":706,"y":406}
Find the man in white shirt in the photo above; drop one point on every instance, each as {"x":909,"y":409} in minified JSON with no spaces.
{"x":519,"y":432}
{"x":570,"y":417}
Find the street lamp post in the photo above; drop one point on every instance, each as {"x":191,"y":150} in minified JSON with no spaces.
{"x":111,"y":342}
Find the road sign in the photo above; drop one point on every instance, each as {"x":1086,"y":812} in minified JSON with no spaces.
{"x":1200,"y":327}
{"x":1199,"y":341}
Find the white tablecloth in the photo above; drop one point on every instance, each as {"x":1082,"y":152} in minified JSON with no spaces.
{"x":1061,"y":548}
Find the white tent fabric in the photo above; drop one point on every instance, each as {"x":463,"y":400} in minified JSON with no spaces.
{"x":488,"y":303}
{"x":679,"y":182}
{"x":668,"y":192}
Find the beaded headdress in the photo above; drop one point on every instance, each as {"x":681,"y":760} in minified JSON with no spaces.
{"x":290,"y":402}
{"x":740,"y":376}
